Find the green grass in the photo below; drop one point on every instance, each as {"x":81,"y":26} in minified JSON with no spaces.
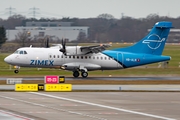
{"x":109,"y":73}
{"x":3,"y":65}
{"x":170,"y":50}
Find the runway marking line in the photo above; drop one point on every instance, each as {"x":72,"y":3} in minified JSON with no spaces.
{"x":39,"y":112}
{"x":103,"y":106}
{"x":108,"y":113}
{"x":7,"y":104}
{"x":42,"y":105}
{"x":15,"y":115}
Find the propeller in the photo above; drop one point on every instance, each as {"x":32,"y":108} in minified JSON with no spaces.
{"x":63,"y":49}
{"x":47,"y":43}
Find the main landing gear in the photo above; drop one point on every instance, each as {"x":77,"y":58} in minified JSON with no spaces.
{"x":84,"y":74}
{"x":76,"y":74}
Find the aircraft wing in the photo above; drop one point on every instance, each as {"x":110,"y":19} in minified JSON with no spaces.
{"x":95,"y":48}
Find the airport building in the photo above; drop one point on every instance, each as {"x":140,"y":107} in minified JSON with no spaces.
{"x":174,"y":36}
{"x":59,"y":30}
{"x":56,"y":30}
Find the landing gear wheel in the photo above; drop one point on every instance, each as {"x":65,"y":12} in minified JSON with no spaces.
{"x":76,"y":74}
{"x":16,"y":71}
{"x":84,"y":74}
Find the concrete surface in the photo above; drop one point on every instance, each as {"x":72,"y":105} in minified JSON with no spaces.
{"x":93,"y":105}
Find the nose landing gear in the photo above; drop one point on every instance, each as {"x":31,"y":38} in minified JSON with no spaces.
{"x":16,"y":71}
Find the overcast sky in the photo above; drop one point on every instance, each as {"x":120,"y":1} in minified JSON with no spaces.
{"x":90,"y":8}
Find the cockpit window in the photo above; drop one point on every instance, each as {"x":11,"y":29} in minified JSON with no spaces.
{"x":16,"y":52}
{"x":25,"y":52}
{"x":20,"y":52}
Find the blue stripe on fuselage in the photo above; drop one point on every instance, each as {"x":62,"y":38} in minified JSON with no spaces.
{"x":113,"y":55}
{"x":127,"y":59}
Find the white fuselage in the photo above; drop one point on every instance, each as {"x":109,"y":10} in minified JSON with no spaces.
{"x":53,"y":58}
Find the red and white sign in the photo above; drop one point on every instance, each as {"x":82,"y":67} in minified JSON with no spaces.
{"x":52,"y":79}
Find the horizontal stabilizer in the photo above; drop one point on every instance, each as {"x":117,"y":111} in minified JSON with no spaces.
{"x":163,"y":25}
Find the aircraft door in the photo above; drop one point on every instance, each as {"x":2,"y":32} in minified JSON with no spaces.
{"x":119,"y":59}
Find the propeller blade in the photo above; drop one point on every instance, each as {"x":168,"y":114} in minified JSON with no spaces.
{"x":63,"y":49}
{"x":64,"y":46}
{"x":62,"y":42}
{"x":47,"y":43}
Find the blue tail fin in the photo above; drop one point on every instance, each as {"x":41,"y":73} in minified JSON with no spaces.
{"x":153,"y":43}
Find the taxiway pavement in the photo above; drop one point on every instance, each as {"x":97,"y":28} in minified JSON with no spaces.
{"x":92,"y":105}
{"x":101,"y":78}
{"x":112,"y":87}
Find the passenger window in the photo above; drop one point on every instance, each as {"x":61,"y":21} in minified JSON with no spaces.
{"x":101,"y":58}
{"x":74,"y":57}
{"x":54,"y":56}
{"x":50,"y":56}
{"x":69,"y":56}
{"x":105,"y":58}
{"x":89,"y":57}
{"x":85,"y":57}
{"x":97,"y":57}
{"x":57,"y":56}
{"x":77,"y":57}
{"x":81,"y":57}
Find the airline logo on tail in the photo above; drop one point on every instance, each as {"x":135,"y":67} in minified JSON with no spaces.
{"x":154,"y":41}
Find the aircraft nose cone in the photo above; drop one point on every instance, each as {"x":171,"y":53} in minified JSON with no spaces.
{"x":7,"y":59}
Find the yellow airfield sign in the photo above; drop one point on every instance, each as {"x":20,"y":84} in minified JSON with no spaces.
{"x":40,"y":87}
{"x":43,"y":87}
{"x":26,"y":87}
{"x":58,"y":87}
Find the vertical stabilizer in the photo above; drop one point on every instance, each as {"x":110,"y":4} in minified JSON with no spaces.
{"x":153,"y":43}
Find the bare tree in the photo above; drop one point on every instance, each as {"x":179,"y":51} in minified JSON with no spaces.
{"x":2,"y":35}
{"x":106,"y":16}
{"x":23,"y":38}
{"x":81,"y":37}
{"x":13,"y":21}
{"x":101,"y":29}
{"x":42,"y":41}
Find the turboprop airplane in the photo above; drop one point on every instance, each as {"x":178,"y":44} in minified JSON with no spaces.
{"x":88,"y":58}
